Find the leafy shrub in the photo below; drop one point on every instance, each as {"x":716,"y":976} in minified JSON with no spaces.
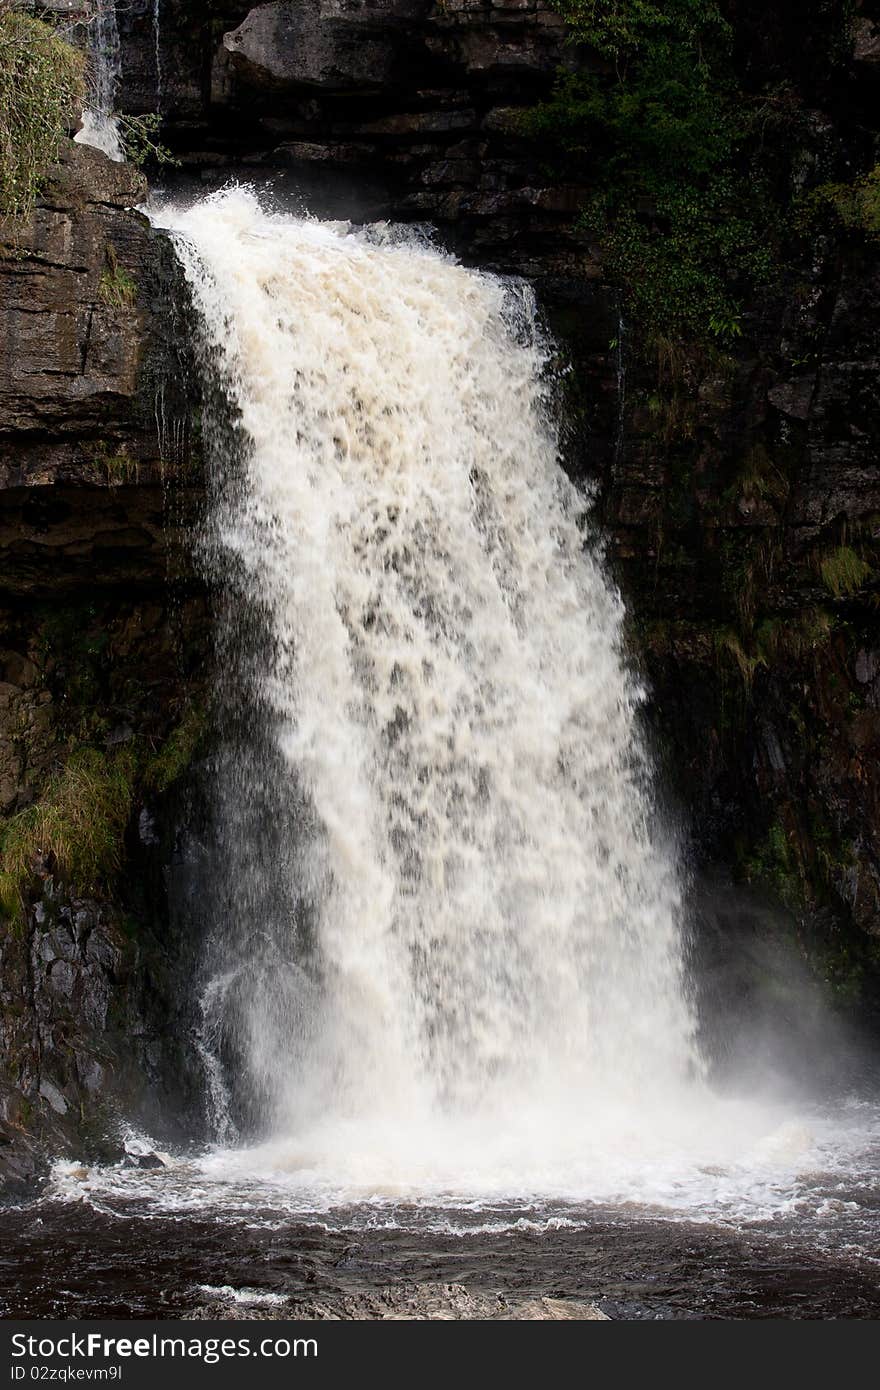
{"x":140,"y":141}
{"x":856,"y":205}
{"x":41,"y":90}
{"x":659,"y":125}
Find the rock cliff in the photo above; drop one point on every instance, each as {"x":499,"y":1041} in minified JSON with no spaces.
{"x":377,"y":108}
{"x":102,"y":643}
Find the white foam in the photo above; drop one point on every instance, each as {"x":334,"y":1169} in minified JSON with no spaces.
{"x":251,"y":1298}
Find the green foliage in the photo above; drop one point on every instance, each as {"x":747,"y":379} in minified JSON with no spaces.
{"x":776,"y":639}
{"x":680,"y":263}
{"x":855,"y":205}
{"x":659,"y":129}
{"x":139,"y":139}
{"x":618,"y":28}
{"x":725,"y":325}
{"x":41,"y":89}
{"x":75,"y":830}
{"x":730,"y":642}
{"x":116,"y":288}
{"x":759,"y":479}
{"x":118,"y":468}
{"x":176,"y":754}
{"x":844,"y":571}
{"x":746,"y":566}
{"x":776,"y":861}
{"x":794,"y":636}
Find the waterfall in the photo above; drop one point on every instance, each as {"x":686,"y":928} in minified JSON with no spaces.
{"x":442,"y":915}
{"x":100,"y":127}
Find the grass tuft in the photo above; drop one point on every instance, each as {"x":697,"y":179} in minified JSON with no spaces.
{"x":75,"y":830}
{"x":844,"y":571}
{"x":729,"y":641}
{"x":117,"y":288}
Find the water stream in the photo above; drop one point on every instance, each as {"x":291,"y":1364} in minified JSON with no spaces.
{"x":100,"y":127}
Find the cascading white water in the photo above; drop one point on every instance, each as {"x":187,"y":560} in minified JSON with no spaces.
{"x":447,"y":954}
{"x":100,"y":128}
{"x":497,"y":932}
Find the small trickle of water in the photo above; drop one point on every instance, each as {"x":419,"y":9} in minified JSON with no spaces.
{"x":620,"y":373}
{"x":157,"y":52}
{"x":100,"y":127}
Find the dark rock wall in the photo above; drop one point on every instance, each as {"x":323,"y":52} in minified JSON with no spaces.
{"x":743,"y":485}
{"x":370,"y":109}
{"x":103,"y":637}
{"x":95,"y":1037}
{"x":94,"y":418}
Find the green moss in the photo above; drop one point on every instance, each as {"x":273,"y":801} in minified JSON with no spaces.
{"x":746,"y":562}
{"x":775,"y":640}
{"x":41,"y":90}
{"x":844,"y":571}
{"x":849,"y":964}
{"x":776,"y":862}
{"x":760,"y":479}
{"x":73,"y":645}
{"x":76,"y":827}
{"x":834,"y":856}
{"x":793,"y":636}
{"x":177,"y":753}
{"x":673,"y":416}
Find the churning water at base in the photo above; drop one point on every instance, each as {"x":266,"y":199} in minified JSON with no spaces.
{"x":446,"y":966}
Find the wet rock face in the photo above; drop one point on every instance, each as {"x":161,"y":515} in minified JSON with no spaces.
{"x":401,"y":109}
{"x":735,"y":529}
{"x":102,"y":644}
{"x":69,"y":966}
{"x":71,"y":346}
{"x":89,"y":1043}
{"x":336,"y":47}
{"x":94,"y":420}
{"x":96,"y":997}
{"x":367,"y":46}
